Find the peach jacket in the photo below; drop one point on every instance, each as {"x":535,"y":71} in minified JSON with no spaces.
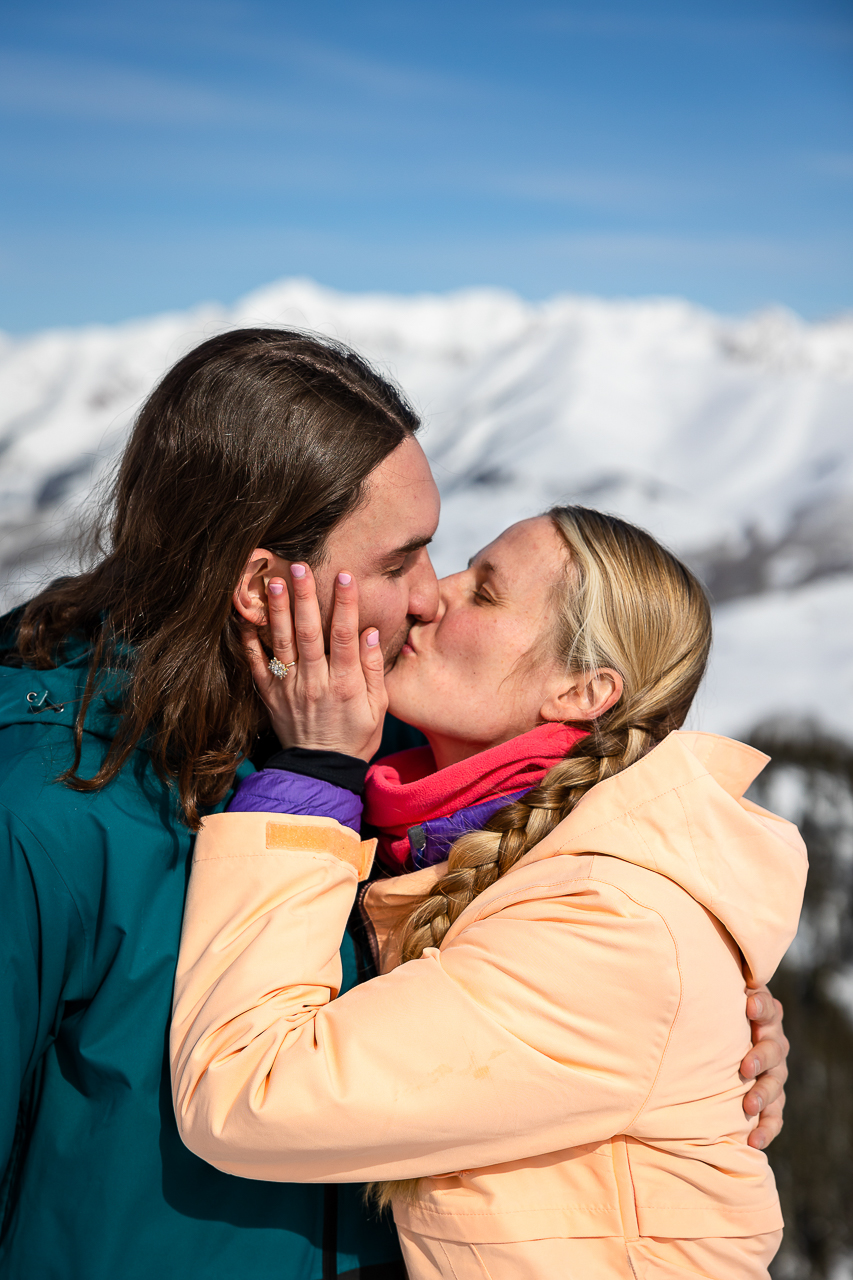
{"x":565,"y":1065}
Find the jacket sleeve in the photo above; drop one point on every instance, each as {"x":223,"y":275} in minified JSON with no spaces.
{"x":508,"y":1043}
{"x":40,"y":929}
{"x":280,"y":791}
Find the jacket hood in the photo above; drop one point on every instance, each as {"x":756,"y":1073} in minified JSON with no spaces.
{"x":680,"y":811}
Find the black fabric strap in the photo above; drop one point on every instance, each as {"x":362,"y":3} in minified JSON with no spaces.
{"x":327,"y":766}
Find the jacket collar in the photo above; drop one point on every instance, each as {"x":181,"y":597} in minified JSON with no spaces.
{"x":680,"y":812}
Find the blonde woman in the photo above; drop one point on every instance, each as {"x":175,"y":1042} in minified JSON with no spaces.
{"x":543,"y":1082}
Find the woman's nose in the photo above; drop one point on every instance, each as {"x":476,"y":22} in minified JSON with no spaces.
{"x":449,"y":589}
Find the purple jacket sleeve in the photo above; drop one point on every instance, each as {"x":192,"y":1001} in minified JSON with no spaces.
{"x":277,"y":791}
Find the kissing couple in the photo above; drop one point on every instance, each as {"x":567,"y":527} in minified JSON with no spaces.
{"x":570,"y":910}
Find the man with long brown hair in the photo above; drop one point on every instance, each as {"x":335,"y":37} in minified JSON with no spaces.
{"x":127,"y":709}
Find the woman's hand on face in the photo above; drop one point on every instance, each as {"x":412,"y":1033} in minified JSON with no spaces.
{"x":329,"y":702}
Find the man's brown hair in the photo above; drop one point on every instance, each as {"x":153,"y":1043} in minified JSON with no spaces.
{"x":258,"y":437}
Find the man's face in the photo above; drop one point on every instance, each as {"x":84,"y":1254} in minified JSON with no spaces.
{"x":384,"y":546}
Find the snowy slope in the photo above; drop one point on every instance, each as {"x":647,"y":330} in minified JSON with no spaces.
{"x":730,"y":439}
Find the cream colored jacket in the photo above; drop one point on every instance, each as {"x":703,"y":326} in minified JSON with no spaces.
{"x":564,"y":1066}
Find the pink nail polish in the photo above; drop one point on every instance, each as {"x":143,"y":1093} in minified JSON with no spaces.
{"x":275,"y":588}
{"x":297,"y":570}
{"x":373,"y":639}
{"x":344,"y":579}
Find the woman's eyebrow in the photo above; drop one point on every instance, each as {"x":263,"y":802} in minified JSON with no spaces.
{"x":485,"y":566}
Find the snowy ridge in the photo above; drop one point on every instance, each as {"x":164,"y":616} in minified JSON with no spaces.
{"x":729,"y":438}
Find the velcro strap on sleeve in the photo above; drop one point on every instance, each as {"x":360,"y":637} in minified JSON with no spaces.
{"x":339,"y":842}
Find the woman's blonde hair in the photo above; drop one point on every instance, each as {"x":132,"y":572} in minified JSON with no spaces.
{"x":624,"y":602}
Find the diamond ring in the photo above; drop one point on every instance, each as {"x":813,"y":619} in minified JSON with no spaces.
{"x":280,"y":669}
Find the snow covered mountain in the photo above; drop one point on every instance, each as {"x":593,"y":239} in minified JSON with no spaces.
{"x":730,"y":439}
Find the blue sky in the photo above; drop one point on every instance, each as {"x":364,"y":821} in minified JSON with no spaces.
{"x":163,"y":153}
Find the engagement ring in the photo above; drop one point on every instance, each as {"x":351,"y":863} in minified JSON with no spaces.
{"x":280,"y":669}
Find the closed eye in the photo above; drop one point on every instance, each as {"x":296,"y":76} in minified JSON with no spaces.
{"x":409,"y":552}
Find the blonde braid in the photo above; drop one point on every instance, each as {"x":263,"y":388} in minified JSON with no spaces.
{"x":479,"y":858}
{"x":628,"y":604}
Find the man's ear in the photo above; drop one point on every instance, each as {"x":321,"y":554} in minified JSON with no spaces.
{"x":585,"y":695}
{"x":250,"y":594}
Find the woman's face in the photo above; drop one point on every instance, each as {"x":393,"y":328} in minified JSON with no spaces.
{"x":463,"y":678}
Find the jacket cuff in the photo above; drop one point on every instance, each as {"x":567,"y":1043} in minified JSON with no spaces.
{"x":276,"y":791}
{"x":327,"y":766}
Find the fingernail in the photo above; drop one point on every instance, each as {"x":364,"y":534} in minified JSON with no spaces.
{"x":275,"y":588}
{"x":297,"y":570}
{"x":760,"y":1141}
{"x":756,"y":1066}
{"x":759,"y":1102}
{"x":373,"y":639}
{"x":344,"y":579}
{"x":757,"y":1006}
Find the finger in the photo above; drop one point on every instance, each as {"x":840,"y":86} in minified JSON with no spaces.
{"x":373,"y":666}
{"x":763,"y":1056}
{"x":258,"y":661}
{"x":307,"y":624}
{"x":280,"y":620}
{"x":763,"y":1009}
{"x":770,"y":1125}
{"x":343,"y":636}
{"x":766,"y":1090}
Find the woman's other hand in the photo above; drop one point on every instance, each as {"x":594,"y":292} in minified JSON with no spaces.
{"x":766,"y":1064}
{"x":329,"y":702}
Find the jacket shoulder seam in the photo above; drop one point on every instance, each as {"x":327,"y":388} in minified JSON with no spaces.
{"x":641,"y":838}
{"x":629,"y":810}
{"x":674,"y":940}
{"x":60,"y":877}
{"x":541,"y":884}
{"x":556,"y":885}
{"x":696,"y":860}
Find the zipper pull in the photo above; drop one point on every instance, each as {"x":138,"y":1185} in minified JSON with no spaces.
{"x":417,"y":839}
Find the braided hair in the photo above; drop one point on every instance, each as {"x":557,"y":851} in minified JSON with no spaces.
{"x":626,"y":603}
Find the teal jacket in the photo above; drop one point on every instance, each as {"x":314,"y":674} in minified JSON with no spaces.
{"x":97,"y":1183}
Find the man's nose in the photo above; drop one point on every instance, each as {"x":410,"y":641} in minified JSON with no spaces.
{"x":423,"y":589}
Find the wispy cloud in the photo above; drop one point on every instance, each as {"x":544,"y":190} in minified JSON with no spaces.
{"x":579,"y":188}
{"x":284,"y":169}
{"x":44,"y":84}
{"x":628,"y":25}
{"x":422,"y":136}
{"x":294,"y":81}
{"x":242,"y":37}
{"x":710,"y":251}
{"x":345,"y":68}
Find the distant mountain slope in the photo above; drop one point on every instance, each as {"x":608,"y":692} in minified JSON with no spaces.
{"x":730,"y":439}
